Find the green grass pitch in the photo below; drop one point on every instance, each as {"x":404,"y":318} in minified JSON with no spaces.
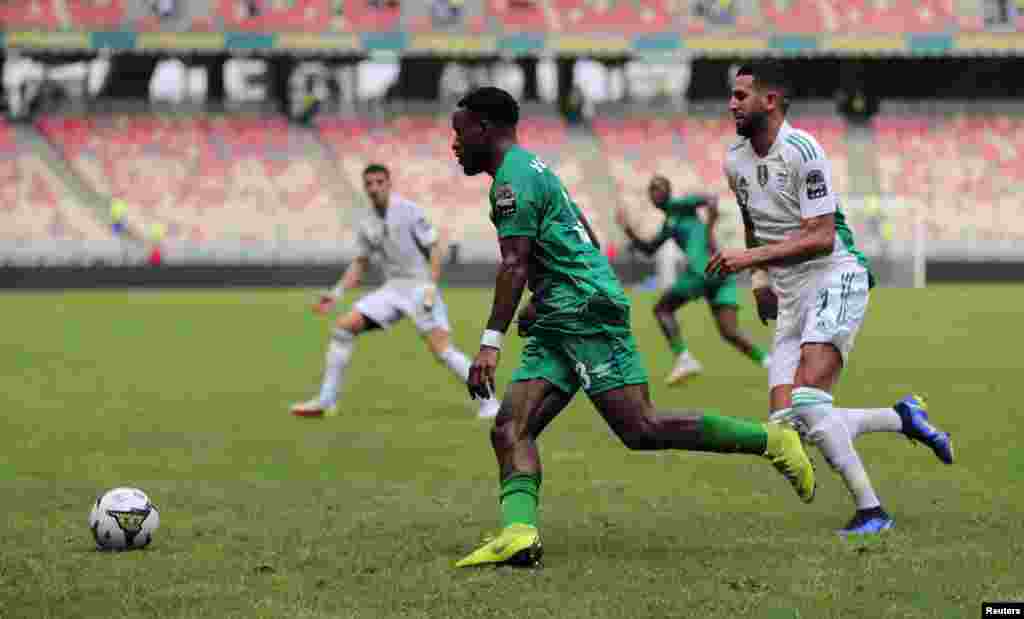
{"x":184,"y":394}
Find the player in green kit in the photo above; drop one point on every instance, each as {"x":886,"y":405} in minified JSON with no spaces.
{"x":696,"y":240}
{"x":578,"y":335}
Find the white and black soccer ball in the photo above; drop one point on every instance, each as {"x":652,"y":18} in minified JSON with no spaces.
{"x":123,"y":519}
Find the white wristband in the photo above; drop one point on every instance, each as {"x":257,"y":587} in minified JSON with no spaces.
{"x":760,"y":279}
{"x":491,"y":338}
{"x":337,"y":292}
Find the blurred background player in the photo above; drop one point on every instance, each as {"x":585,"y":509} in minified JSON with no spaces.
{"x":696,"y":240}
{"x":399,"y":239}
{"x":819,"y":284}
{"x":579,"y":335}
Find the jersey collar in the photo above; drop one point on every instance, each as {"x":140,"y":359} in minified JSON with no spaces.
{"x":784,"y":130}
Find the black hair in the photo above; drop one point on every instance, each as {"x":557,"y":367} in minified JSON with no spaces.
{"x":769,"y":74}
{"x":492,"y":104}
{"x":658,"y":178}
{"x":377,"y":168}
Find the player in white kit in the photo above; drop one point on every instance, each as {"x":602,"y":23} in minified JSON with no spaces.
{"x":808,"y":275}
{"x":399,"y":239}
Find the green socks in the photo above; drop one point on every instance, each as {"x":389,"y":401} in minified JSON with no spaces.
{"x":677,"y":344}
{"x":758,"y":355}
{"x":731,"y":435}
{"x":520,"y":495}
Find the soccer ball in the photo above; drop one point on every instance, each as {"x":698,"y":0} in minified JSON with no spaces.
{"x":123,"y":519}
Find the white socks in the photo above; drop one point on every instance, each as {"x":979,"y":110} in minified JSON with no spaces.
{"x":865,"y":420}
{"x":339,"y":353}
{"x":457,"y":362}
{"x":827,"y":429}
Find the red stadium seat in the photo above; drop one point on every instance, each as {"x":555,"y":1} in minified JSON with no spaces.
{"x":310,"y":15}
{"x":226,"y":178}
{"x":34,"y":203}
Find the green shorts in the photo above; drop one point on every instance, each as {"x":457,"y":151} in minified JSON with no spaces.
{"x":598,"y":363}
{"x":718,"y":292}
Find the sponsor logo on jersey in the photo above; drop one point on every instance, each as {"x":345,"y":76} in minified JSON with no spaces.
{"x":504,"y":200}
{"x":762,"y":174}
{"x":816,"y":186}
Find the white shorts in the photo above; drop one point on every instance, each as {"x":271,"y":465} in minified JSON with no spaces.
{"x":828,"y":311}
{"x":392,"y":302}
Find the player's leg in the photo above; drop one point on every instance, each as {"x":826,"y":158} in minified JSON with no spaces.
{"x":540,"y":389}
{"x":433,"y":325}
{"x":613,"y":376}
{"x":339,"y":353}
{"x":377,"y":310}
{"x":686,"y":288}
{"x":723,"y":297}
{"x":439,"y":342}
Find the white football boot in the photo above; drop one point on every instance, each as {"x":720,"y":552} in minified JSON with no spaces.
{"x":686,"y":368}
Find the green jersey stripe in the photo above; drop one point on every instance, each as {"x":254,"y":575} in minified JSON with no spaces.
{"x":814,"y":151}
{"x":800,"y":147}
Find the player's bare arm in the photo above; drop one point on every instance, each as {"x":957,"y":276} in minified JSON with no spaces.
{"x":815,"y":238}
{"x":437,"y":254}
{"x":647,"y":247}
{"x":710,"y":206}
{"x":352,"y":277}
{"x":513,"y":273}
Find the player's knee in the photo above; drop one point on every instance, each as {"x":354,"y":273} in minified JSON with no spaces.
{"x":505,"y":434}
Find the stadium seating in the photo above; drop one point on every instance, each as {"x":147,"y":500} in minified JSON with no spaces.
{"x":417,"y":149}
{"x":34,"y":204}
{"x":612,"y":15}
{"x":61,"y":14}
{"x":691,"y":151}
{"x":844,"y":16}
{"x":520,"y":15}
{"x":243,"y":179}
{"x":293,"y":15}
{"x":968,"y":168}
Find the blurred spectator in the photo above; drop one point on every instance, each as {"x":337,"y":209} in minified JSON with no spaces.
{"x":118,"y":210}
{"x":164,"y":9}
{"x":250,"y":8}
{"x":574,"y":107}
{"x":447,"y":12}
{"x":154,"y":239}
{"x":715,"y":11}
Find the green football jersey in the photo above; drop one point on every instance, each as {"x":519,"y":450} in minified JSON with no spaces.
{"x":575,"y":289}
{"x":687,"y":230}
{"x":685,"y":206}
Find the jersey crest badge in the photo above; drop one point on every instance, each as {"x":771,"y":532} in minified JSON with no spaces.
{"x":816,"y":187}
{"x":762,"y":174}
{"x":504,"y":200}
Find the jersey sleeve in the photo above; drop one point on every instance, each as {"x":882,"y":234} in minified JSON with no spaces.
{"x":363,"y":246}
{"x":424,"y":232}
{"x":517,"y":204}
{"x":814,"y":187}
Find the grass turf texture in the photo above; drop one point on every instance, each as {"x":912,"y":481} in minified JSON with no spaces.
{"x":184,"y":394}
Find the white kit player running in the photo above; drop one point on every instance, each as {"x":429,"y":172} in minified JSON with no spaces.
{"x":399,"y":239}
{"x":812,"y":279}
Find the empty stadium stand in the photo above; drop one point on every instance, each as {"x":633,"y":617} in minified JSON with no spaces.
{"x":34,"y":204}
{"x":243,"y":179}
{"x":844,"y":16}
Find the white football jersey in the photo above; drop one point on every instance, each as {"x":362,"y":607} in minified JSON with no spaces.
{"x":400,"y":242}
{"x":777,"y":192}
